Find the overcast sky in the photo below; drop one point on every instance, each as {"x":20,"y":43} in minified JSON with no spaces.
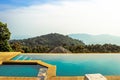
{"x":38,"y":17}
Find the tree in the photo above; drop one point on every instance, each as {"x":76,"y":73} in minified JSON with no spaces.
{"x":17,"y":47}
{"x":4,"y":37}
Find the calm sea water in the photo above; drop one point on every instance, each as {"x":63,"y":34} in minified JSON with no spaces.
{"x":80,"y":64}
{"x":19,"y":70}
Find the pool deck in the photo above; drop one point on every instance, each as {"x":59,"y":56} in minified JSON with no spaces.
{"x":6,"y":56}
{"x":81,"y":78}
{"x":56,"y":78}
{"x":19,"y":78}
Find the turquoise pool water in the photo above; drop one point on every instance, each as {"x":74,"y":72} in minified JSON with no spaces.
{"x":20,"y":70}
{"x":80,"y":64}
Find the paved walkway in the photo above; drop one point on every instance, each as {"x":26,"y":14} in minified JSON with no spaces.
{"x":67,"y":78}
{"x":19,"y":78}
{"x":82,"y":78}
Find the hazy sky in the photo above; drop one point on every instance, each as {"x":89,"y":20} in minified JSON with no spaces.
{"x":38,"y":17}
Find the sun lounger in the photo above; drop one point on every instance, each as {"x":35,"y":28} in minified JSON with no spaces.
{"x":94,"y":77}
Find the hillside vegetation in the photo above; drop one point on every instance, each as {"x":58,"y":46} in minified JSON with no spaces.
{"x":44,"y":43}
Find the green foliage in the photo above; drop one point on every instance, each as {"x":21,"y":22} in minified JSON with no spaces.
{"x":26,"y":49}
{"x":4,"y":32}
{"x":51,"y":40}
{"x":4,"y":46}
{"x":77,"y":49}
{"x":106,"y":48}
{"x":45,"y":43}
{"x":4,"y":37}
{"x":17,"y":47}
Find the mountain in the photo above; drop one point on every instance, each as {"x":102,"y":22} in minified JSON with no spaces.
{"x":96,"y":39}
{"x":51,"y":40}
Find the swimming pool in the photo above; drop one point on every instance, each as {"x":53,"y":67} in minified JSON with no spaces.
{"x":79,"y":64}
{"x":20,"y":70}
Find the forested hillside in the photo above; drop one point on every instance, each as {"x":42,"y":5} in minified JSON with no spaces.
{"x":44,"y":43}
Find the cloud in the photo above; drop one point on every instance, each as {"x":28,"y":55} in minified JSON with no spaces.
{"x":12,"y":4}
{"x":94,"y":16}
